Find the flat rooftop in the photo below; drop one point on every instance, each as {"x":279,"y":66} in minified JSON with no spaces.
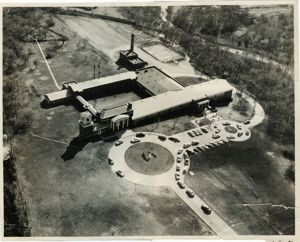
{"x":81,"y":86}
{"x":165,"y":101}
{"x":156,"y":81}
{"x":59,"y":95}
{"x":129,"y":53}
{"x":113,"y":112}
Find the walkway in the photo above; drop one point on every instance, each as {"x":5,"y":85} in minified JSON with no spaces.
{"x":52,"y":75}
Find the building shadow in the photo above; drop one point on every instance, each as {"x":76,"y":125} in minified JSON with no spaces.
{"x":76,"y":145}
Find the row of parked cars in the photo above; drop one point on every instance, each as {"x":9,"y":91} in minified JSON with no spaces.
{"x":199,"y":148}
{"x":181,"y":184}
{"x":197,"y":132}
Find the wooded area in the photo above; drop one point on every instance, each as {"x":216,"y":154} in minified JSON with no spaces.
{"x":17,"y":115}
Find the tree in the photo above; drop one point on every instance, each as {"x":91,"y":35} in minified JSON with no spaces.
{"x":35,"y":62}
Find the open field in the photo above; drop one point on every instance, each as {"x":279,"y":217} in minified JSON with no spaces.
{"x":228,"y":181}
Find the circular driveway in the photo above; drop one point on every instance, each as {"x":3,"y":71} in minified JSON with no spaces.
{"x":149,"y":158}
{"x":135,"y":172}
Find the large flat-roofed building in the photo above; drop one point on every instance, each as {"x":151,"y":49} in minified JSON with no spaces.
{"x":214,"y":90}
{"x":114,"y":80}
{"x":97,"y":86}
{"x":155,"y":81}
{"x":161,"y":94}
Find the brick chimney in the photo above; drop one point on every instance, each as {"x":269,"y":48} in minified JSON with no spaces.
{"x":132,"y":43}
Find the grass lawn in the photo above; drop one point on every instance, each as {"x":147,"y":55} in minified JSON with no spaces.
{"x":242,"y":173}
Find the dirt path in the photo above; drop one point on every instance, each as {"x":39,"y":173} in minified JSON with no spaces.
{"x":52,"y":75}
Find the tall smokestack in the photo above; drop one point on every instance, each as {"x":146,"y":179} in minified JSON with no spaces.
{"x":132,"y":42}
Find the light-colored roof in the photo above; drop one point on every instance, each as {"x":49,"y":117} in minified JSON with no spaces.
{"x":162,"y":102}
{"x":81,"y":86}
{"x":119,"y":117}
{"x":54,"y":96}
{"x":113,"y":112}
{"x":157,"y":81}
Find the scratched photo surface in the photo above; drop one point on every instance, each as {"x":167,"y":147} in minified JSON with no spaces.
{"x":148,"y":121}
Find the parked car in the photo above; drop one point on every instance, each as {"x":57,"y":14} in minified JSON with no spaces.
{"x":225,"y":123}
{"x":206,"y":209}
{"x":218,"y":131}
{"x":195,"y":143}
{"x":174,"y":139}
{"x":215,"y":144}
{"x":120,"y":173}
{"x":178,"y":159}
{"x":190,"y":193}
{"x":110,"y":161}
{"x":181,"y":184}
{"x":240,"y":134}
{"x":239,"y":126}
{"x":196,"y":132}
{"x":216,"y":136}
{"x":119,"y":142}
{"x":190,"y":133}
{"x":204,"y":130}
{"x":177,"y":176}
{"x":162,"y":137}
{"x":135,"y":140}
{"x":184,"y":171}
{"x":186,"y":146}
{"x":230,"y":136}
{"x":178,"y":168}
{"x":247,"y":122}
{"x":179,"y":151}
{"x":140,"y":135}
{"x":195,"y":150}
{"x":247,"y":133}
{"x":186,"y":162}
{"x":190,"y":152}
